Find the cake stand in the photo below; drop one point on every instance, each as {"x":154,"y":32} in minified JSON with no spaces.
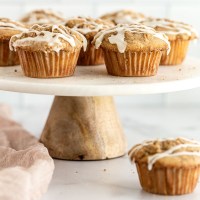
{"x":83,"y":123}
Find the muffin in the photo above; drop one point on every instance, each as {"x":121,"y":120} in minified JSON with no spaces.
{"x":131,"y":50}
{"x":8,"y":28}
{"x":124,"y":17}
{"x":167,"y":167}
{"x":47,"y":51}
{"x":89,"y":27}
{"x":179,"y":35}
{"x":42,"y":17}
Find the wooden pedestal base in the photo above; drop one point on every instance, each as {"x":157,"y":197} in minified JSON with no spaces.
{"x":83,"y":128}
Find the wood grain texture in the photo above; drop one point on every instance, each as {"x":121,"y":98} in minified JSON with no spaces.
{"x":83,"y":128}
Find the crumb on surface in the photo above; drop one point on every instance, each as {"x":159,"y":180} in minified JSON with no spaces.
{"x":15,"y":70}
{"x":132,"y":171}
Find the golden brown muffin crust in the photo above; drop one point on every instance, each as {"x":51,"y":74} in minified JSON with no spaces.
{"x":42,"y":17}
{"x":124,"y":16}
{"x":48,"y":38}
{"x":88,"y":26}
{"x":8,"y":28}
{"x":173,"y":29}
{"x":135,"y":37}
{"x":142,"y":152}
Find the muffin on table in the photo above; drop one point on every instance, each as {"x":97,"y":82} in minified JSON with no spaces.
{"x":8,"y":28}
{"x":132,"y":50}
{"x":167,"y":167}
{"x":124,"y":17}
{"x":47,"y":51}
{"x":179,"y":35}
{"x":42,"y":17}
{"x":89,"y":27}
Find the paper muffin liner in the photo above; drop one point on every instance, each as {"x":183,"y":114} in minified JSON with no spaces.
{"x":91,"y":56}
{"x":38,"y":64}
{"x":132,"y":63}
{"x":168,"y":181}
{"x":177,"y":53}
{"x":7,"y":57}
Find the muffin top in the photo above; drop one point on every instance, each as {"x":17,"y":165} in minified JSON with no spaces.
{"x":135,"y":37}
{"x":179,"y":152}
{"x":124,"y":17}
{"x":8,"y":28}
{"x":173,"y":29}
{"x":88,"y":26}
{"x":42,"y":17}
{"x":48,"y":38}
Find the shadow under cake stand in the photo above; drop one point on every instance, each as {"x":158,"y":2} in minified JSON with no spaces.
{"x":83,"y":123}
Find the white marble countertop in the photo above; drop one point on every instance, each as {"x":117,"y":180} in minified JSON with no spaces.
{"x":116,"y":178}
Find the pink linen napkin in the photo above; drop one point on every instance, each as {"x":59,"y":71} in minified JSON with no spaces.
{"x":26,"y":168}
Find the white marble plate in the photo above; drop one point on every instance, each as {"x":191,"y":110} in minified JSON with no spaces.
{"x":94,"y":81}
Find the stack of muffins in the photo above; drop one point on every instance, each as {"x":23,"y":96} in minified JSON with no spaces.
{"x":129,"y":43}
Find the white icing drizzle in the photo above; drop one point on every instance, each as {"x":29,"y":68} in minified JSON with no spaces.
{"x":83,"y":39}
{"x":87,"y":25}
{"x":33,"y":19}
{"x":124,"y":17}
{"x":168,"y":153}
{"x":11,"y":25}
{"x":43,"y":17}
{"x":118,"y":36}
{"x":95,"y":28}
{"x":51,"y":38}
{"x":128,"y":19}
{"x":170,"y":27}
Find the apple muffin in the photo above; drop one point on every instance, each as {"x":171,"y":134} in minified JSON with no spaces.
{"x":48,"y":51}
{"x":8,"y":28}
{"x":179,"y":35}
{"x":132,"y":50}
{"x":124,"y":17}
{"x":89,"y":27}
{"x":167,"y":166}
{"x":42,"y":17}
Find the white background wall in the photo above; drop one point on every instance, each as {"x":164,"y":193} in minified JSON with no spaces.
{"x":184,"y":10}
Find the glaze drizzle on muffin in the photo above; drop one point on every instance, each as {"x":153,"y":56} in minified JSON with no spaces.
{"x":173,"y":29}
{"x":87,"y":25}
{"x":153,"y":151}
{"x":48,"y":37}
{"x":124,"y":17}
{"x":131,"y":36}
{"x":6,"y":23}
{"x":42,"y":17}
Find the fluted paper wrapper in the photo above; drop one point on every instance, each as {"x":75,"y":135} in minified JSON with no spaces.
{"x":40,"y":64}
{"x":177,"y":53}
{"x":132,"y":63}
{"x":168,"y":181}
{"x":7,"y":57}
{"x":91,"y":56}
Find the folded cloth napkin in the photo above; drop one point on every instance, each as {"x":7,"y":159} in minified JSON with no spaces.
{"x":26,"y":168}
